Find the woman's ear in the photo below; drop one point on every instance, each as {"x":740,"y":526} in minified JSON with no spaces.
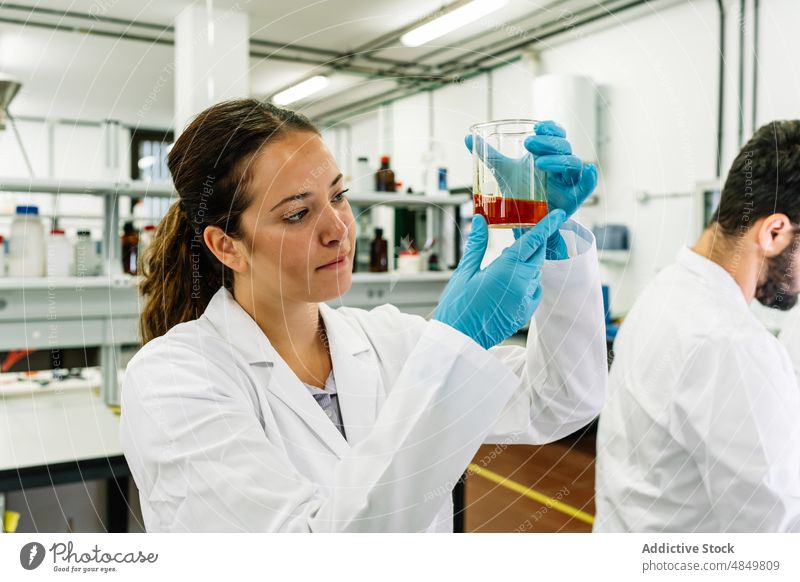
{"x":775,"y":234}
{"x":229,"y":252}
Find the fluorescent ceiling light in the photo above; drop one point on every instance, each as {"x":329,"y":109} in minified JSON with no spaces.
{"x":451,"y":21}
{"x":301,"y":90}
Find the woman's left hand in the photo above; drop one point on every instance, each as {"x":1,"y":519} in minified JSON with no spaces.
{"x":569,"y":181}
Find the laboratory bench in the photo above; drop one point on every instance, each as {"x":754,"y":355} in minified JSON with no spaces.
{"x":64,"y":437}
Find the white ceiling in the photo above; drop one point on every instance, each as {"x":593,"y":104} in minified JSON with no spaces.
{"x":71,"y":74}
{"x":80,"y":76}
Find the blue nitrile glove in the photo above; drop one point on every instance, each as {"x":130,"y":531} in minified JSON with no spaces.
{"x":491,"y":304}
{"x":569,"y":180}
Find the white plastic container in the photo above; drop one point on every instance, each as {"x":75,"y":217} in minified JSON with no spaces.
{"x":60,"y":254}
{"x":409,"y":261}
{"x":26,"y":244}
{"x":363,"y":176}
{"x":87,"y":263}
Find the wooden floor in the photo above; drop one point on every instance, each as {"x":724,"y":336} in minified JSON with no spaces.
{"x":563,"y":471}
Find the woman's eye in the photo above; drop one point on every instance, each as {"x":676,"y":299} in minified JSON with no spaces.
{"x":296,"y":217}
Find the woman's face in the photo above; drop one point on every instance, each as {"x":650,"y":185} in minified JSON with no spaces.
{"x":299,"y":223}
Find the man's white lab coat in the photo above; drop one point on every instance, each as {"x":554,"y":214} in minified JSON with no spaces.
{"x":701,"y":431}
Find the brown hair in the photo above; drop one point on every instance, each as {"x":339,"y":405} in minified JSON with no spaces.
{"x":763,"y":179}
{"x":210,"y":166}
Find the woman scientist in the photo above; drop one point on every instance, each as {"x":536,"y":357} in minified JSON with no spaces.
{"x":256,"y":407}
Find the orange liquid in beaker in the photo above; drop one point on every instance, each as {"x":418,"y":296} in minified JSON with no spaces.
{"x":503,"y":212}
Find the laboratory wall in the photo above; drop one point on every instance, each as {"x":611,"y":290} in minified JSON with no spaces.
{"x":657,"y":78}
{"x":65,"y":151}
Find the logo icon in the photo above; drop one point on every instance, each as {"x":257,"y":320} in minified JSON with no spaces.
{"x":31,"y":555}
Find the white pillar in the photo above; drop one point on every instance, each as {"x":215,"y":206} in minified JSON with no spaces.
{"x":212,"y":59}
{"x":112,"y":139}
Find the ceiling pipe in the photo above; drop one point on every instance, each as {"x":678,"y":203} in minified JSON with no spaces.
{"x":554,"y":29}
{"x":471,"y":69}
{"x":517,"y":25}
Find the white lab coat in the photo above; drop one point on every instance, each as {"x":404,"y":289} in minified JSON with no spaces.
{"x":221,"y":435}
{"x":701,"y":429}
{"x":790,"y":338}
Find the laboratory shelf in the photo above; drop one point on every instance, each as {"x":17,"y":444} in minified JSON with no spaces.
{"x":53,"y":313}
{"x":416,"y":293}
{"x":134,"y":188}
{"x":397,"y":276}
{"x":137,"y":188}
{"x":125,"y":281}
{"x":49,"y":313}
{"x":87,"y":282}
{"x":398,"y":199}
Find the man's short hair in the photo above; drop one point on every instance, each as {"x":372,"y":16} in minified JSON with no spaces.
{"x":764,"y":179}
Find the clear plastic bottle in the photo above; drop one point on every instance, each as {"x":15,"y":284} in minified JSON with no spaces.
{"x":60,"y":254}
{"x":26,"y":244}
{"x":363,"y":175}
{"x":86,"y":263}
{"x":363,"y":240}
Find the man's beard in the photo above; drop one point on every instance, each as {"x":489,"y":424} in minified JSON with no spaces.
{"x":779,"y":288}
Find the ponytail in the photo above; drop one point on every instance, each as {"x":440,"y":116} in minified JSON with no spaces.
{"x":209,"y":164}
{"x":178,"y":281}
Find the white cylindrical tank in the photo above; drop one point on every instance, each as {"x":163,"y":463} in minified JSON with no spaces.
{"x":570,"y":101}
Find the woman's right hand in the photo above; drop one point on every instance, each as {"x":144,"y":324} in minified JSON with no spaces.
{"x":492,"y":304}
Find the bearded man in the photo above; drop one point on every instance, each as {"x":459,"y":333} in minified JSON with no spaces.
{"x":701,"y":431}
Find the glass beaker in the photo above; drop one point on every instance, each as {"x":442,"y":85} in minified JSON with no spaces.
{"x":507,"y":189}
